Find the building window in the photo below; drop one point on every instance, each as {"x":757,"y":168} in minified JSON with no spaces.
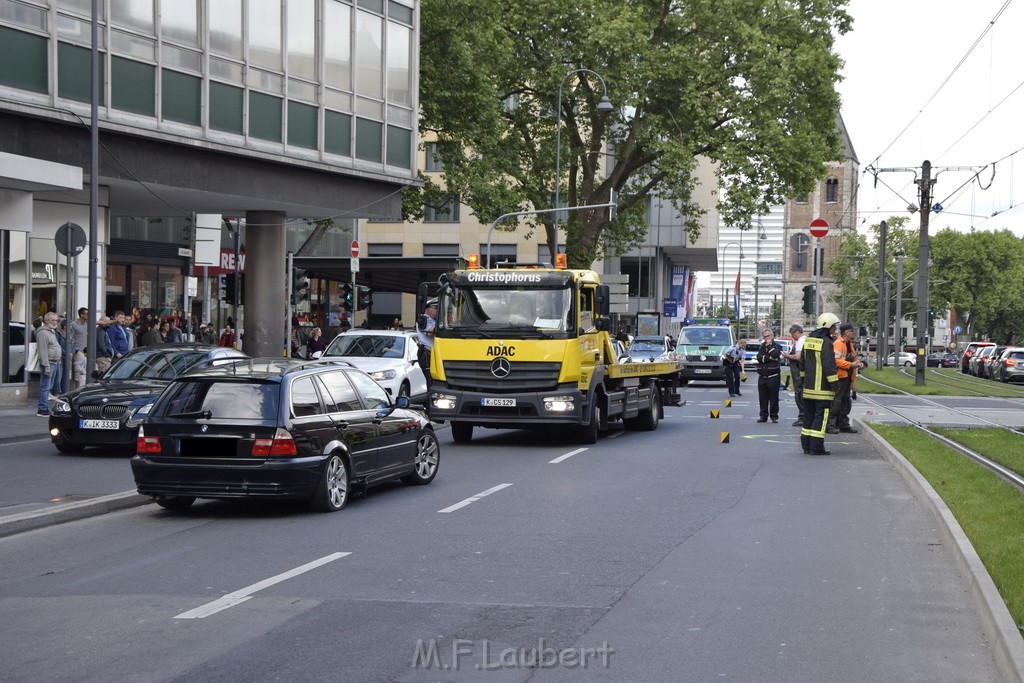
{"x":399,"y":152}
{"x":302,"y":38}
{"x":445,"y":212}
{"x":24,"y":59}
{"x":264,"y":117}
{"x":433,"y":161}
{"x":74,"y":75}
{"x":368,"y":139}
{"x":338,"y":133}
{"x":399,"y":62}
{"x":179,"y":21}
{"x":265,"y":34}
{"x":226,"y":108}
{"x":383,"y":249}
{"x":302,"y":125}
{"x":499,"y":253}
{"x":132,"y":86}
{"x":338,"y":49}
{"x":226,"y":27}
{"x":369,"y":36}
{"x":639,"y":271}
{"x":832,"y":190}
{"x":544,"y":254}
{"x":446,"y":250}
{"x":400,"y":12}
{"x":182,"y":98}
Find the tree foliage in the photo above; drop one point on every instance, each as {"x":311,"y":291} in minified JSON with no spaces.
{"x":979,"y":274}
{"x":746,"y":84}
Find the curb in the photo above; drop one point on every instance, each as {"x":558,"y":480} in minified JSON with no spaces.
{"x":70,"y":512}
{"x":1007,"y":641}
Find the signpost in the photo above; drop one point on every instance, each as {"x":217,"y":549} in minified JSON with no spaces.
{"x":819,"y":228}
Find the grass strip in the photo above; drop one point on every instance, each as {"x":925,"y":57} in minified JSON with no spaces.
{"x":895,"y":379}
{"x":989,"y":509}
{"x":978,"y":384}
{"x":1005,"y":447}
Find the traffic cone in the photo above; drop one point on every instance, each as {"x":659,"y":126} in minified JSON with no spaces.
{"x":728,"y":403}
{"x":714,"y":414}
{"x":725,"y":437}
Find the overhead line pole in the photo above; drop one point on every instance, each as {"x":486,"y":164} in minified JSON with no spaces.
{"x":923,"y":257}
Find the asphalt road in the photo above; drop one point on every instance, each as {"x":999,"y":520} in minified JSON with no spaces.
{"x":655,"y":556}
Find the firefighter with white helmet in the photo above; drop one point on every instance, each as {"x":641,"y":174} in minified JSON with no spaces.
{"x":818,"y":367}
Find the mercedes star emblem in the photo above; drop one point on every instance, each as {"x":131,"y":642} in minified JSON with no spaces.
{"x":500,"y":368}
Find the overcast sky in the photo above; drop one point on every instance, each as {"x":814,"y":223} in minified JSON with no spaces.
{"x":898,"y":57}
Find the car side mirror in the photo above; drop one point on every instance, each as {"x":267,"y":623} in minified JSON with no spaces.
{"x":402,"y":402}
{"x":603,"y":324}
{"x":96,"y":374}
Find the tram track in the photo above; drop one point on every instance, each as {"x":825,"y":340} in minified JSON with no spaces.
{"x":1009,"y":475}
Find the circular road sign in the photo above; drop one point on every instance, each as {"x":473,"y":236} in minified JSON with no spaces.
{"x":819,"y":227}
{"x":70,"y":239}
{"x":355,"y":249}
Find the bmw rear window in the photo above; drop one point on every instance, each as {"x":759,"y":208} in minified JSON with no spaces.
{"x":222,"y":400}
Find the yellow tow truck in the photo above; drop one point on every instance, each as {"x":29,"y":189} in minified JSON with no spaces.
{"x":528,"y":345}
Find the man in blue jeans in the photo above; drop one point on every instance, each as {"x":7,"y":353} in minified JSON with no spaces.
{"x":49,"y":361}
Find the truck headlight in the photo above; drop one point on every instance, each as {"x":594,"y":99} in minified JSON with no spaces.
{"x":559,"y":404}
{"x":381,"y":375}
{"x":442,"y":401}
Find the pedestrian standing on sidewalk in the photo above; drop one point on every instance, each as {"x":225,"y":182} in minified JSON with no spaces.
{"x":732,"y":361}
{"x":49,"y":361}
{"x":118,"y":336}
{"x":769,"y":371}
{"x":818,"y":365}
{"x":104,"y":351}
{"x":797,"y":333}
{"x":79,"y":341}
{"x":847,"y":365}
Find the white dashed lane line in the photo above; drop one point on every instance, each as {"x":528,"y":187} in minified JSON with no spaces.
{"x":567,"y":455}
{"x":240,"y":596}
{"x":472,"y":499}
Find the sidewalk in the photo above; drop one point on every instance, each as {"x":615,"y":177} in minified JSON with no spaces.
{"x":22,"y":425}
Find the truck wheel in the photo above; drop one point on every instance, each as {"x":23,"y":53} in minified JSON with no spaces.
{"x":588,"y":432}
{"x":647,"y":420}
{"x":462,"y":432}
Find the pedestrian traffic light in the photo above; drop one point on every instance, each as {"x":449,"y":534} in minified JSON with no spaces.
{"x":808,"y":298}
{"x":229,"y":288}
{"x":222,"y":288}
{"x":300,"y":285}
{"x":346,"y":296}
{"x":365,"y":298}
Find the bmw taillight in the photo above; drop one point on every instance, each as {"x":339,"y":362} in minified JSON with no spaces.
{"x":1009,"y":362}
{"x":147,"y":444}
{"x":281,"y":444}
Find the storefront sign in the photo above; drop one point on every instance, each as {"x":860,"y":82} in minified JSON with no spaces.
{"x":226,"y":265}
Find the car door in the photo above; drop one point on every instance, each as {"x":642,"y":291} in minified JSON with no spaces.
{"x":417,"y":380}
{"x":354,"y":425}
{"x":396,"y":431}
{"x":311,"y":426}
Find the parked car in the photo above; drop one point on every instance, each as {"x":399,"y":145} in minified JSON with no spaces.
{"x":992,"y":361}
{"x":109,"y":411}
{"x":646,"y":349}
{"x":904,"y":358}
{"x":942,"y":360}
{"x":1011,"y":365}
{"x":388,"y":356}
{"x":975,"y":366}
{"x":969,"y":352}
{"x":701,"y":347}
{"x":280,"y":429}
{"x":16,"y":353}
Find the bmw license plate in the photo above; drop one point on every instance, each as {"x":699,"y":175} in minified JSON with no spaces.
{"x":498,"y":402}
{"x":703,"y":371}
{"x":98,"y":424}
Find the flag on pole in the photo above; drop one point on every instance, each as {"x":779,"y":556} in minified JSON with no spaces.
{"x":736,"y":299}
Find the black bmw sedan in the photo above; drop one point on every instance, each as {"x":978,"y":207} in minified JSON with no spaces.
{"x":108,"y":412}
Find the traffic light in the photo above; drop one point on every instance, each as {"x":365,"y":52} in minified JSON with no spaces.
{"x":300,"y":285}
{"x":229,"y":288}
{"x":365,"y":298}
{"x":222,"y":292}
{"x":346,"y":297}
{"x":808,"y":298}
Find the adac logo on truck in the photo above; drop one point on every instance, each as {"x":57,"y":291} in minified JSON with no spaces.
{"x":504,"y":277}
{"x":507,"y":351}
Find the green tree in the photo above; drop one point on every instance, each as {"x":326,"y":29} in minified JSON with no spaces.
{"x":746,"y":84}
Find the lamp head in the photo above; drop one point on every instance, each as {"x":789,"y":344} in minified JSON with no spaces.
{"x":605,"y":105}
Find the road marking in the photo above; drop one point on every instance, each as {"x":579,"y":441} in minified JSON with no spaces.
{"x":240,"y":596}
{"x":570,"y":454}
{"x":473,"y":499}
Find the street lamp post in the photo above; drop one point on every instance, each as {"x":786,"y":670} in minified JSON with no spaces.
{"x":604,"y":105}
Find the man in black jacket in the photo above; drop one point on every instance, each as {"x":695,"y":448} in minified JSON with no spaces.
{"x":769,"y":368}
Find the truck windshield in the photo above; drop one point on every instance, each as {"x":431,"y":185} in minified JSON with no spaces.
{"x":508,"y":311}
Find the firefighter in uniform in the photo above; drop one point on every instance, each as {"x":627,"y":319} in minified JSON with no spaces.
{"x":818,"y":365}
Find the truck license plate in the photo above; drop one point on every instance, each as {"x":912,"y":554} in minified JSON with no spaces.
{"x":98,"y":424}
{"x":703,"y":371}
{"x":498,"y":402}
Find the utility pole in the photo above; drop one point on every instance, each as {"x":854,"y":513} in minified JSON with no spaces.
{"x":923,"y":256}
{"x":897,"y":341}
{"x":883,"y":303}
